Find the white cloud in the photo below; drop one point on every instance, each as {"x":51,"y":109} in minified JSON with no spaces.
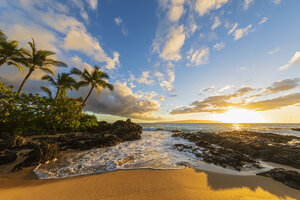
{"x":174,"y":44}
{"x":234,"y":26}
{"x":276,"y":1}
{"x":242,"y":68}
{"x":176,"y":10}
{"x":241,"y":32}
{"x":209,"y":89}
{"x":44,"y":38}
{"x":227,"y":87}
{"x":294,"y":60}
{"x":161,"y":98}
{"x":276,"y":50}
{"x":145,"y":78}
{"x":159,"y":74}
{"x":263,"y":20}
{"x":79,"y":64}
{"x":198,"y":57}
{"x":163,"y":82}
{"x":122,"y":102}
{"x":93,"y":4}
{"x":82,"y":41}
{"x":119,"y":22}
{"x":219,"y":46}
{"x":216,"y":23}
{"x":84,"y":15}
{"x":247,"y":4}
{"x":203,"y":7}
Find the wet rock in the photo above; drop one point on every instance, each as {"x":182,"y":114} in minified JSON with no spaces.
{"x":7,"y":157}
{"x":40,"y":154}
{"x":271,"y":147}
{"x":220,"y":156}
{"x":126,"y":130}
{"x":288,"y":177}
{"x":102,"y":127}
{"x":45,"y":147}
{"x":7,"y":141}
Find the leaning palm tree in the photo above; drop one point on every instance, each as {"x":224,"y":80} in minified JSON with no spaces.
{"x":96,"y":79}
{"x":35,"y":59}
{"x":62,"y":83}
{"x":9,"y":52}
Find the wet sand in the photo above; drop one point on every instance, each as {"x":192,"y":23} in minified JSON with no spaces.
{"x":144,"y":184}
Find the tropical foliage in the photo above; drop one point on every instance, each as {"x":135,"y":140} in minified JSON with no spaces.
{"x":35,"y":59}
{"x":22,"y":113}
{"x":9,"y":52}
{"x":63,"y":82}
{"x":96,"y":79}
{"x":33,"y":114}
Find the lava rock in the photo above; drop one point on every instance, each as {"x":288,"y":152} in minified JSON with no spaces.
{"x":270,"y":147}
{"x":126,"y":130}
{"x":7,"y":157}
{"x":39,"y":155}
{"x":288,"y":177}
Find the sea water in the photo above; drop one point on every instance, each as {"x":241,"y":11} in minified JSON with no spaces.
{"x":153,"y":151}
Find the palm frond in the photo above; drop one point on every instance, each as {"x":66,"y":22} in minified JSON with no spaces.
{"x":50,"y":79}
{"x":47,"y":90}
{"x":47,"y":70}
{"x":16,"y":65}
{"x":76,"y":71}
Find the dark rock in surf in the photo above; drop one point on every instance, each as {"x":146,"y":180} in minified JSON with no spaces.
{"x":288,"y":177}
{"x":40,"y":154}
{"x":7,"y":157}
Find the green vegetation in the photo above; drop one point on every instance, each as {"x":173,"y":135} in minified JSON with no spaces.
{"x":96,"y":79}
{"x":22,"y":113}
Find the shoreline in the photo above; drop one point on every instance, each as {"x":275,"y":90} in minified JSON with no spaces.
{"x":144,"y":184}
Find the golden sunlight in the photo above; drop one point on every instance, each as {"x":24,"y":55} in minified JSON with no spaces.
{"x":236,"y":115}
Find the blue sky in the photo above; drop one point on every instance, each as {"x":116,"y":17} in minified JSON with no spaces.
{"x":170,"y":59}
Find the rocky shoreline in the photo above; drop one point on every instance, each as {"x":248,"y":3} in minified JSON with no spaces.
{"x":20,"y":152}
{"x":240,"y":150}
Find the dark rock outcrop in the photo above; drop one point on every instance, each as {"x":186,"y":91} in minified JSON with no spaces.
{"x":7,"y":157}
{"x":43,"y":148}
{"x":271,"y":147}
{"x":40,"y":154}
{"x":288,"y":177}
{"x":126,"y":130}
{"x":220,"y":156}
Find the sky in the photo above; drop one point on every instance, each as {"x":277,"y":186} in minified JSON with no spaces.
{"x":224,"y":60}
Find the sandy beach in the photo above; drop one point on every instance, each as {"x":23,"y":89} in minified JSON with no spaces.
{"x":144,"y":184}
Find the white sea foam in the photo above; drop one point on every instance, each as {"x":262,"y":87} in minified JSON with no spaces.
{"x":154,"y":150}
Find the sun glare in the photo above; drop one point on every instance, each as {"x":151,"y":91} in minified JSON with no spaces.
{"x":240,"y":116}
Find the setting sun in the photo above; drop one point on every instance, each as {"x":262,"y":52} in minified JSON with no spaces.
{"x":240,"y":116}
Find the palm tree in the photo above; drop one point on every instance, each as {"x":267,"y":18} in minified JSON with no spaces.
{"x":37,"y":59}
{"x":96,"y":79}
{"x":9,"y":51}
{"x":62,"y":83}
{"x":47,"y":91}
{"x":2,"y":36}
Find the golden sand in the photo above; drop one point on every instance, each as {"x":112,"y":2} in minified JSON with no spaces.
{"x":145,"y":184}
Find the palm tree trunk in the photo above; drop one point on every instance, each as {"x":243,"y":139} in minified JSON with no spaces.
{"x":3,"y":61}
{"x":57,"y":93}
{"x":24,"y":81}
{"x":83,"y":104}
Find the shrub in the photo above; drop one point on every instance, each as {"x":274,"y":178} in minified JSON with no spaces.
{"x":33,"y":114}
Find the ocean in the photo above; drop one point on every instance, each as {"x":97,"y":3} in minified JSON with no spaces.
{"x":153,"y":151}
